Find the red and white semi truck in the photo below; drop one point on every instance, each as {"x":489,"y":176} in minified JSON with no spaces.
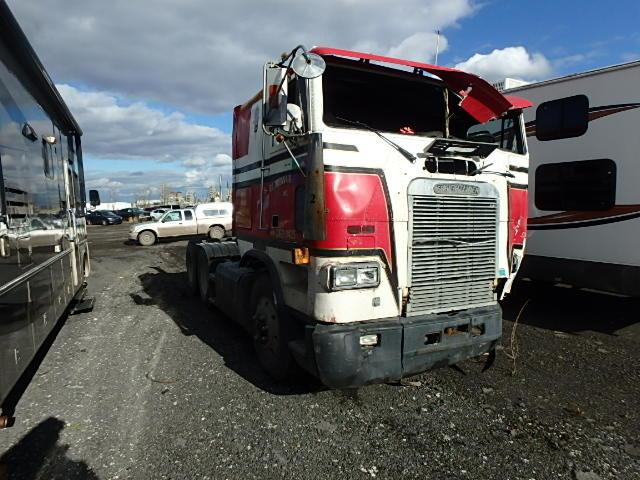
{"x":379,"y":212}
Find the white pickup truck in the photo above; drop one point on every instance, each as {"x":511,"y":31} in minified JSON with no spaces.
{"x":212,"y":219}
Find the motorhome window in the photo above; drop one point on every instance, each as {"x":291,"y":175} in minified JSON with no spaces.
{"x":563,"y":118}
{"x":504,"y":132}
{"x":188,"y":215}
{"x":582,"y":185}
{"x":47,"y":158}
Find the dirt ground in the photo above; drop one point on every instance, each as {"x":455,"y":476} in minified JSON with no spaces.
{"x":152,"y":384}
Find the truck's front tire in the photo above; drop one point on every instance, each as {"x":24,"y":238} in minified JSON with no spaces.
{"x":204,"y":285}
{"x":192,"y":267}
{"x":269,"y":331}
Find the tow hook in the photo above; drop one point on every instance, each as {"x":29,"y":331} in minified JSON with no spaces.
{"x":6,"y":421}
{"x":491,"y":359}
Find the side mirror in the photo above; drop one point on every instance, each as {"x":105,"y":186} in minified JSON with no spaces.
{"x":94,"y":198}
{"x":566,"y":117}
{"x":308,"y":65}
{"x":274,"y":96}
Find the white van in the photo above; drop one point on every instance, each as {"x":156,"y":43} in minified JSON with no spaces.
{"x":211,"y":219}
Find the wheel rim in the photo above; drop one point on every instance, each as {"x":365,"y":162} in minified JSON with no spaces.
{"x":216,"y":233}
{"x":266,"y":321}
{"x":146,"y":238}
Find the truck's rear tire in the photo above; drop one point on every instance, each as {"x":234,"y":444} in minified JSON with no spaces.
{"x":204,"y":286}
{"x":192,"y":267}
{"x":216,"y":232}
{"x":146,"y":238}
{"x":270,"y":335}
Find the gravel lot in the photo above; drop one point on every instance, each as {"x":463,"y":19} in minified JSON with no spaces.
{"x":151,"y":384}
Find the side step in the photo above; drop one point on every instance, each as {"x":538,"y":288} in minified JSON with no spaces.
{"x":83,"y":306}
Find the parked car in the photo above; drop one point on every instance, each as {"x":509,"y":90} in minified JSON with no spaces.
{"x":157,"y":213}
{"x":211,"y":219}
{"x":103,"y":217}
{"x":129,"y":213}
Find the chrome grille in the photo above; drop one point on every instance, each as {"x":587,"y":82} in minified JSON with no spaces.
{"x":452,"y":252}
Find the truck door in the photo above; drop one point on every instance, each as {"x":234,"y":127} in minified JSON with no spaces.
{"x":190,"y":223}
{"x":171,"y":224}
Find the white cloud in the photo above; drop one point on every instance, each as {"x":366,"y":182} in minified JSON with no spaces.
{"x":198,"y":55}
{"x":114,"y":130}
{"x":104,"y":182}
{"x":419,"y":46}
{"x":515,"y":62}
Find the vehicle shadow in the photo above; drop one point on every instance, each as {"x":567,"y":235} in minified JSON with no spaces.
{"x":569,"y":310}
{"x":39,"y":455}
{"x":169,"y":240}
{"x":169,"y":291}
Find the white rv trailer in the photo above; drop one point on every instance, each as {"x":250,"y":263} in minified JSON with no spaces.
{"x":584,"y":191}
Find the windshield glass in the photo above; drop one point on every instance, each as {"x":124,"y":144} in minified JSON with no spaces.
{"x":504,"y":132}
{"x":402,"y":102}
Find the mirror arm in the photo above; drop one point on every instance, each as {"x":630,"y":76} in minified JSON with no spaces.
{"x":290,"y":57}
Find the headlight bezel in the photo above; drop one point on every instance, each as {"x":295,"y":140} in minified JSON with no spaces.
{"x":359,"y":270}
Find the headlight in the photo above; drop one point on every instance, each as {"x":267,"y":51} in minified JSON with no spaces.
{"x":354,"y":275}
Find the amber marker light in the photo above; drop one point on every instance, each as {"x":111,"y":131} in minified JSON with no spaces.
{"x":301,"y":256}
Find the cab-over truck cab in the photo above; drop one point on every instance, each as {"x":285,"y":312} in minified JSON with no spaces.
{"x":379,"y":214}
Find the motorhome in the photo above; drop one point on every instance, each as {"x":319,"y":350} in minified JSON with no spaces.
{"x":379,"y":210}
{"x":44,"y":255}
{"x":584,"y":202}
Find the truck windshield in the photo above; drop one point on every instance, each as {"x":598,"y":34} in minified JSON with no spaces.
{"x":504,"y":132}
{"x":396,"y":101}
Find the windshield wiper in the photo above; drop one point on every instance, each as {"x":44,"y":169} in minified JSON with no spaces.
{"x":408,"y":155}
{"x":484,"y":170}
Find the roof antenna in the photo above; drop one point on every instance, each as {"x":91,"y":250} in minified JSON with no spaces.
{"x":437,"y":46}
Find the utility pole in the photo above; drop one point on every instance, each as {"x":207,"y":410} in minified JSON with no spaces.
{"x":437,"y":46}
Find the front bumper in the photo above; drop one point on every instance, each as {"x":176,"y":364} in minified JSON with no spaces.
{"x":406,"y":346}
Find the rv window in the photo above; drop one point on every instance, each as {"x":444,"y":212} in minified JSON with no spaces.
{"x":504,"y":132}
{"x":563,"y":118}
{"x":582,"y":185}
{"x":47,"y":158}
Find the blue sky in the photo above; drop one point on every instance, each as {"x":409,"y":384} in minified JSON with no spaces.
{"x":153,"y":87}
{"x":595,"y":34}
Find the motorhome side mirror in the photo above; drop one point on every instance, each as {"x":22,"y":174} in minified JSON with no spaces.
{"x":566,"y":117}
{"x":274,"y":97}
{"x":94,"y":198}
